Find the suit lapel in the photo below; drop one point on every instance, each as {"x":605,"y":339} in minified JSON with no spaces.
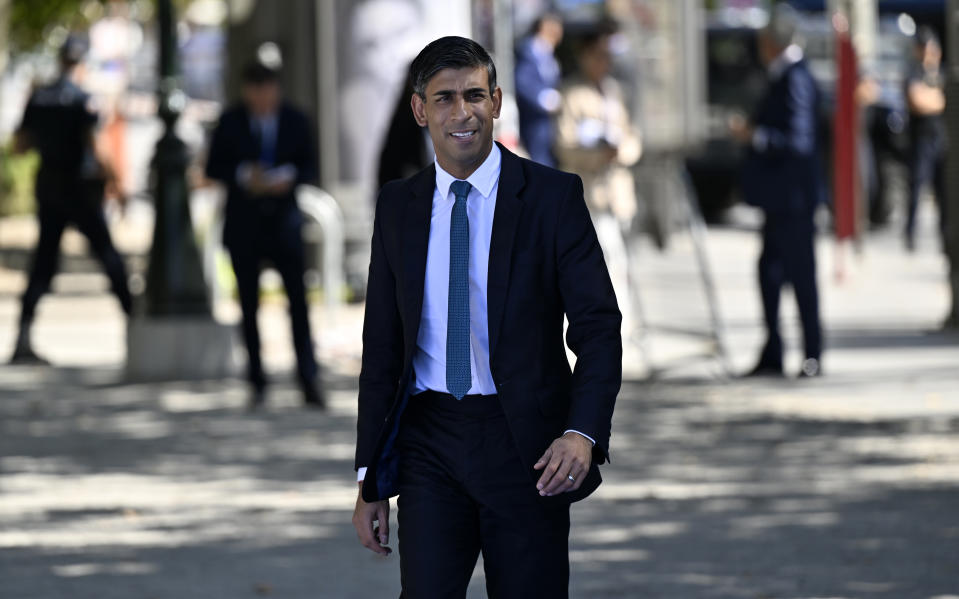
{"x":505,"y":219}
{"x":416,"y":238}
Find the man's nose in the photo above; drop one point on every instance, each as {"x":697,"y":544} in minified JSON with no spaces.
{"x":460,"y":110}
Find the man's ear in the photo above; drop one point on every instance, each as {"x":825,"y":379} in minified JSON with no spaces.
{"x":419,"y":109}
{"x":497,"y":102}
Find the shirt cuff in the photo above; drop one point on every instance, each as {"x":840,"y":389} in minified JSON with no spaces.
{"x":244,"y":172}
{"x":361,"y":474}
{"x":591,"y":440}
{"x":549,"y":99}
{"x":760,"y":139}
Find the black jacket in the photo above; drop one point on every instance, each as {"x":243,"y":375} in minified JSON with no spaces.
{"x":545,"y":262}
{"x":234,"y":143}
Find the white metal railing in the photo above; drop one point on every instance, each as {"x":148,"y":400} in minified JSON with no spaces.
{"x":318,"y":206}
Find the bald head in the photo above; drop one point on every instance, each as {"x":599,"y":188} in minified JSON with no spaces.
{"x":779,"y":33}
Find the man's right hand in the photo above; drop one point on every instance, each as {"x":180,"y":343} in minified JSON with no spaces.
{"x":372,"y":537}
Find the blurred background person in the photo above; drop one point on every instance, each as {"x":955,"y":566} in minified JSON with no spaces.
{"x":537,"y":75}
{"x":926,"y":100}
{"x":261,"y":150}
{"x":407,"y":148}
{"x":597,"y":141}
{"x":59,"y":123}
{"x":866,"y":95}
{"x":782,"y":176}
{"x":385,"y":36}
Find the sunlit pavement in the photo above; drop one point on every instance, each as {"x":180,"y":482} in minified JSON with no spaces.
{"x":845,"y":486}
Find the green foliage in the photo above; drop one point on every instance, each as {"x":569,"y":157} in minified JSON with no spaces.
{"x":17,"y":174}
{"x":30,"y":20}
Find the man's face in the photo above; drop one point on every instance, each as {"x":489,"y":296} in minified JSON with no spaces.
{"x":261,"y":98}
{"x":768,"y":51}
{"x":596,"y":60}
{"x":552,"y":31}
{"x":459,"y":112}
{"x":931,"y":55}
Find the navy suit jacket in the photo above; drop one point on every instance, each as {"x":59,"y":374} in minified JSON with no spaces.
{"x":535,"y":122}
{"x":234,"y":143}
{"x":785,"y":178}
{"x":544,"y":262}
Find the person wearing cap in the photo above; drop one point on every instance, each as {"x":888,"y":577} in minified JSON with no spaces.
{"x":59,"y":124}
{"x":926,"y":99}
{"x":260,"y":151}
{"x":783,"y":177}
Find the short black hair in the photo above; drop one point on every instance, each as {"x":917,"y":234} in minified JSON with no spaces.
{"x":72,"y":50}
{"x":595,"y":33}
{"x":451,"y":52}
{"x":257,"y":73}
{"x":537,"y":25}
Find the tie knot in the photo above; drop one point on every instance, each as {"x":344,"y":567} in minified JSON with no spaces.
{"x":461,"y":189}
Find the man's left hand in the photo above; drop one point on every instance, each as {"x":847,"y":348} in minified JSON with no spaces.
{"x":568,"y":456}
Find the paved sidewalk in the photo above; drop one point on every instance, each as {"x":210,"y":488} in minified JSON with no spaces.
{"x":846,"y":486}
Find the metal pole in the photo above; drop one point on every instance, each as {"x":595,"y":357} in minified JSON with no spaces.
{"x":952,"y":159}
{"x":175,"y":284}
{"x":4,"y":41}
{"x":503,"y":44}
{"x":326,"y":55}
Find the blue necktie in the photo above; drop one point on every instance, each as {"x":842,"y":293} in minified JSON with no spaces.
{"x":267,"y":142}
{"x":458,"y":308}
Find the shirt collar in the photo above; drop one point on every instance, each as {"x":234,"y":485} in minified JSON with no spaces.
{"x":787,"y":58}
{"x":483,"y":178}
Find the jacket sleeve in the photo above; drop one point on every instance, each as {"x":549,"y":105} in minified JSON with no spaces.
{"x":573,"y":156}
{"x":307,"y":165}
{"x":382,"y":361}
{"x":529,"y":83}
{"x":221,"y":160}
{"x":594,"y":322}
{"x":798,"y":138}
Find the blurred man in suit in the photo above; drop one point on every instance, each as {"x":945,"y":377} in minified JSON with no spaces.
{"x":782,"y":176}
{"x":468,"y":408}
{"x":537,"y":76}
{"x":261,"y":150}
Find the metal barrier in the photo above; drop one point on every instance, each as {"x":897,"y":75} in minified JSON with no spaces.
{"x":318,"y":206}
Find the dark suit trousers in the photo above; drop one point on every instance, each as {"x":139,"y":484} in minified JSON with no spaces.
{"x":62,"y":201}
{"x":926,"y":166}
{"x":284,"y":249}
{"x":788,"y":256}
{"x":463,"y":490}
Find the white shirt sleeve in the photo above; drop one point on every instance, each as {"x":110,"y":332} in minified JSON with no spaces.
{"x":591,"y":440}
{"x":361,"y":474}
{"x":760,"y":139}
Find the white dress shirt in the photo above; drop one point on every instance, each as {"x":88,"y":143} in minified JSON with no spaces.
{"x":429,"y":358}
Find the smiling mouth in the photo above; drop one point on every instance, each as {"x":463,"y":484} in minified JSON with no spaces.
{"x":463,"y":134}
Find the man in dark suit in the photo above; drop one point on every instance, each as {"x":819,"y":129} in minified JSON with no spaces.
{"x":782,"y":176}
{"x":537,"y":77}
{"x":261,"y":150}
{"x":468,"y":408}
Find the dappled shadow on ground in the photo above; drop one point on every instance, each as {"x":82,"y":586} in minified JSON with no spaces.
{"x":173,"y":490}
{"x":705,"y":501}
